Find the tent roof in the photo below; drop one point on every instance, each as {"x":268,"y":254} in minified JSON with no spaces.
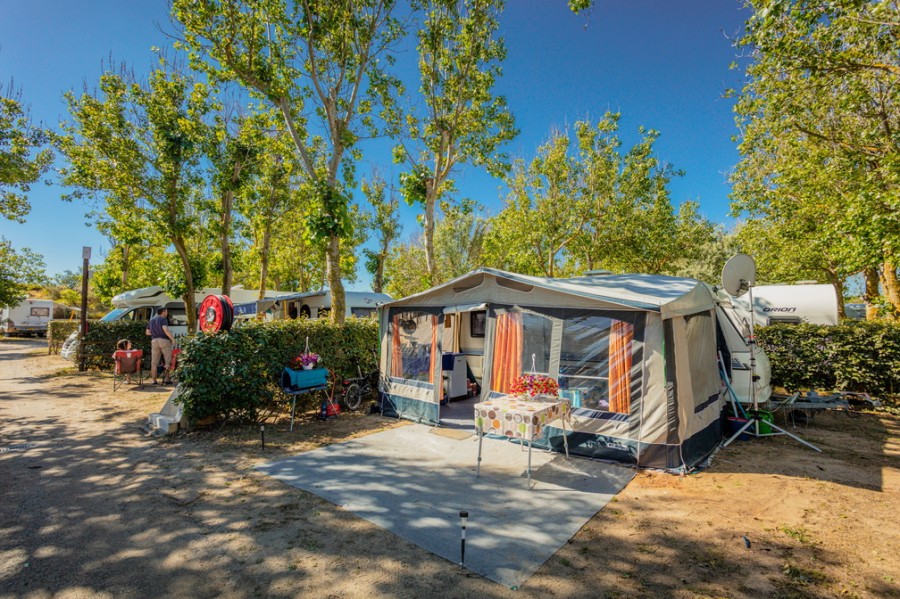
{"x":670,"y":296}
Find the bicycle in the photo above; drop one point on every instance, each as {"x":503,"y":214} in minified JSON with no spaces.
{"x":356,"y":389}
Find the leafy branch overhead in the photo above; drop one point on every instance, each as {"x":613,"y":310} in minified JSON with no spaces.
{"x":22,"y":159}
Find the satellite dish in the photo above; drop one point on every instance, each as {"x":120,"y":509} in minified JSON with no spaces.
{"x":739,"y":274}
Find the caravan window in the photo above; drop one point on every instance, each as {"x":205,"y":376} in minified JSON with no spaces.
{"x":595,"y":363}
{"x":40,"y":312}
{"x":414,"y":337}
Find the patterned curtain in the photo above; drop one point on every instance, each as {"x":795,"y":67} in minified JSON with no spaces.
{"x":620,"y":367}
{"x":508,"y":343}
{"x":396,"y":351}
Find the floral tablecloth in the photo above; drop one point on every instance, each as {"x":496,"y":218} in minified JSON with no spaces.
{"x":518,"y":418}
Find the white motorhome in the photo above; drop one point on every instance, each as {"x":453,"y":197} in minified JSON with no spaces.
{"x":315,"y":304}
{"x":30,"y":317}
{"x":142,"y":305}
{"x":790,"y":304}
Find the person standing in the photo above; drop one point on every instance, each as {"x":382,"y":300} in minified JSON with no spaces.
{"x":161,"y":343}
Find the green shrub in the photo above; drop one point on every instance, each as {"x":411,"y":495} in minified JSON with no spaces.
{"x":100,"y":341}
{"x":857,"y":356}
{"x":58,"y":330}
{"x":236,"y":373}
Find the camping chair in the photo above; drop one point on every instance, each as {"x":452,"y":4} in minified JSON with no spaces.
{"x":127,"y":363}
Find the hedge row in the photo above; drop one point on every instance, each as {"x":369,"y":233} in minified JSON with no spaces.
{"x":857,"y":356}
{"x":58,"y":331}
{"x":236,"y":373}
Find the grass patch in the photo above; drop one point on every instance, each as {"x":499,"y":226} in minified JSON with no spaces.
{"x":800,"y":534}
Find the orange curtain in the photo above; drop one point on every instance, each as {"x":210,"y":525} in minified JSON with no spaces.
{"x":620,"y":367}
{"x":396,"y":352}
{"x":506,"y":365}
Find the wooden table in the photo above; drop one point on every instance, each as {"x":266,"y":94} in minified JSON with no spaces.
{"x":519,"y":418}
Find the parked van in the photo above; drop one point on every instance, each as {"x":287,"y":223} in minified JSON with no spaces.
{"x":30,"y":317}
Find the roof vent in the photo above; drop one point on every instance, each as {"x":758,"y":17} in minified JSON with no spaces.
{"x":598,"y":273}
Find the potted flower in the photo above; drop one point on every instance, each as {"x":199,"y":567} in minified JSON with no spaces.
{"x":531,"y":385}
{"x":306,"y":361}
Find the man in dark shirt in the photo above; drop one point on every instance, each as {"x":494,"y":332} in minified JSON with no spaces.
{"x":161,"y":343}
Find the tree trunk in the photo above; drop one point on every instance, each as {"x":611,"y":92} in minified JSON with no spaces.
{"x":839,"y":289}
{"x":430,"y":201}
{"x":264,"y":258}
{"x":378,"y":279}
{"x":125,"y":266}
{"x":871,"y":276}
{"x":190,"y":306}
{"x":227,"y":271}
{"x":333,"y":274}
{"x":891,"y":284}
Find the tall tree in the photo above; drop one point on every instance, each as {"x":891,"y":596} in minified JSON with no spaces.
{"x":19,"y":270}
{"x":235,"y":144}
{"x":819,"y":118}
{"x":22,"y":161}
{"x":531,"y":234}
{"x":321,"y":64}
{"x":384,"y":222}
{"x":137,"y":143}
{"x":462,"y":119}
{"x":581,"y":204}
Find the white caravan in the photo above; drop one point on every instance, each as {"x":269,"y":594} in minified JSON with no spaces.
{"x":30,"y":317}
{"x":315,"y":304}
{"x":790,"y":304}
{"x":142,"y":305}
{"x":734,"y":348}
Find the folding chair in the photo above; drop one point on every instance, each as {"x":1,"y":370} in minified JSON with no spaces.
{"x":128,"y":362}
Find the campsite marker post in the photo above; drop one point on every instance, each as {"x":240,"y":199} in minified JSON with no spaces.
{"x":262,"y":436}
{"x":462,"y":548}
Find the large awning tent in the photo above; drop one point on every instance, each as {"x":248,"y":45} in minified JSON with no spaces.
{"x":634,"y":354}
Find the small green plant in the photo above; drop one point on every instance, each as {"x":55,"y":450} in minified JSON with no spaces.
{"x":800,"y":535}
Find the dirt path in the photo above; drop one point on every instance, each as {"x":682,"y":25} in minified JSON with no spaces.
{"x":95,"y":508}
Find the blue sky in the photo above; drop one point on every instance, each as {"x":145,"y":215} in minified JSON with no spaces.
{"x":662,"y":64}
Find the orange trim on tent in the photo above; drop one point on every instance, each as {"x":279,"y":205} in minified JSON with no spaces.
{"x":506,"y":366}
{"x":620,"y":367}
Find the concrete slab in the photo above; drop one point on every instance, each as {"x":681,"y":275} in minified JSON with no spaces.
{"x":414,"y":484}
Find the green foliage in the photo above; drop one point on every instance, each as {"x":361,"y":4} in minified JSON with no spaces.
{"x":330,"y":216}
{"x":59,"y":330}
{"x":584,"y":204}
{"x":414,"y":185}
{"x":21,"y":161}
{"x":856,"y":356}
{"x":323,"y":66}
{"x":19,"y":270}
{"x":819,"y":117}
{"x":384,"y":222}
{"x":236,"y":373}
{"x":138,"y":147}
{"x":100,"y":342}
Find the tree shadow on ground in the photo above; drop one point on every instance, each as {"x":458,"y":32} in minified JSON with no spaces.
{"x":100,"y":508}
